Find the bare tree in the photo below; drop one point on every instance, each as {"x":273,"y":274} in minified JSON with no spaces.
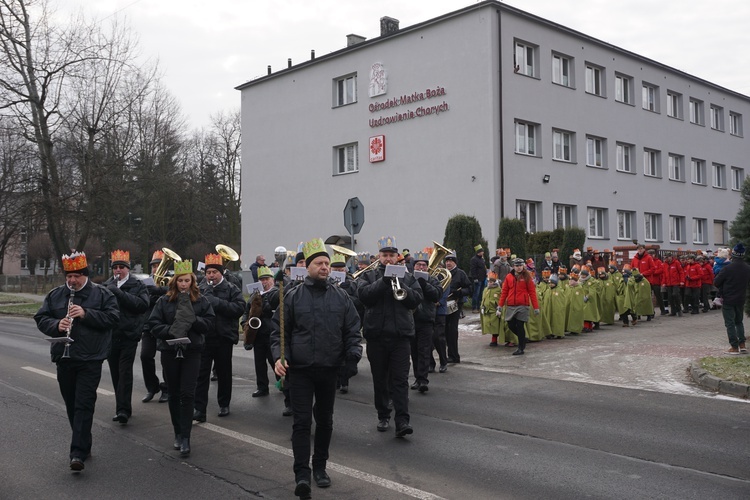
{"x":39,"y":249}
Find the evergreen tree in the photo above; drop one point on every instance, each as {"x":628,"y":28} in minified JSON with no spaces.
{"x":574,"y":238}
{"x":739,"y":230}
{"x":511,"y":233}
{"x":462,"y":233}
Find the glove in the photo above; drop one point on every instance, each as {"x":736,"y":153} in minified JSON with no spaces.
{"x":279,"y":276}
{"x":585,"y":298}
{"x":484,"y":311}
{"x":112,"y":287}
{"x":499,"y":312}
{"x":249,"y":347}
{"x":639,"y":278}
{"x":536,"y":312}
{"x":387,"y":280}
{"x":422,"y":282}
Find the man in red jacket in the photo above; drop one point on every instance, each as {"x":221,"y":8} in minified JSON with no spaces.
{"x":673,"y":277}
{"x":707,"y":281}
{"x":693,"y":282}
{"x":656,"y":278}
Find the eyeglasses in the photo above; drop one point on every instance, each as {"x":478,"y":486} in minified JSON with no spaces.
{"x":119,"y":267}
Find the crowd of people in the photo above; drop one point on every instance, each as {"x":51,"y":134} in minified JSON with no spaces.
{"x":307,"y":320}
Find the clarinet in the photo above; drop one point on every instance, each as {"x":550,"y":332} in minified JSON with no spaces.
{"x":68,"y":340}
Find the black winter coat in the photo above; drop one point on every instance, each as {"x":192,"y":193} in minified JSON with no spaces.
{"x":133,"y":301}
{"x":386,"y":317}
{"x":163,"y":315}
{"x":228,"y":305}
{"x":92,"y":334}
{"x":426,"y":310}
{"x":270,"y":301}
{"x":460,"y":285}
{"x":477,"y":268}
{"x":733,"y":281}
{"x":321,"y":327}
{"x":154,"y":294}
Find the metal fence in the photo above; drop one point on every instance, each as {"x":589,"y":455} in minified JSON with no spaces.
{"x":38,"y":284}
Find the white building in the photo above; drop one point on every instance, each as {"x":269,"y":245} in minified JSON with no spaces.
{"x":492,"y":112}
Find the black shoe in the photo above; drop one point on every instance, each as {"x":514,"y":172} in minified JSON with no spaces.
{"x":76,"y":464}
{"x":383,"y":424}
{"x":120,"y":417}
{"x":443,"y":368}
{"x":199,"y":416}
{"x":164,"y":397}
{"x":177,"y":442}
{"x":431,"y":370}
{"x":517,"y":352}
{"x":322,"y":480}
{"x":344,"y":389}
{"x":303,"y":489}
{"x":673,"y":314}
{"x":185,"y":447}
{"x":423,"y":388}
{"x":404,"y":430}
{"x":414,"y":386}
{"x":260,"y":393}
{"x":223,"y":411}
{"x":451,"y":360}
{"x":214,"y":378}
{"x":148,"y":397}
{"x":287,"y":411}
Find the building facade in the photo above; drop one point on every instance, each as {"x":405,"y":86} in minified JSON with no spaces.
{"x":492,"y":112}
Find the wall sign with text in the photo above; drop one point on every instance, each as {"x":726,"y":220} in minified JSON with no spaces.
{"x":377,"y":148}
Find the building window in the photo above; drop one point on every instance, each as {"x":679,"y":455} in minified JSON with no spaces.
{"x":526,"y":138}
{"x":735,"y":123}
{"x":696,"y":112}
{"x":676,"y":168}
{"x":562,"y":145}
{"x":738,"y":177}
{"x":525,"y":59}
{"x":652,"y":226}
{"x":347,"y":159}
{"x":624,"y":89}
{"x":720,"y":176}
{"x":624,"y":157}
{"x":650,"y":97}
{"x":595,"y":152}
{"x":528,"y":212}
{"x":717,"y":118}
{"x":597,"y":222}
{"x":721,"y":234}
{"x":698,"y":168}
{"x":24,"y":261}
{"x":562,"y":70}
{"x":345,"y":89}
{"x":676,"y":229}
{"x":651,"y":166}
{"x":674,"y":104}
{"x":594,"y":80}
{"x":625,"y":225}
{"x":565,"y":216}
{"x":700,"y":226}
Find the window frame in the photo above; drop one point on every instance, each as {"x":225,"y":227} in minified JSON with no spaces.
{"x":340,"y":90}
{"x":340,"y":153}
{"x":697,"y":112}
{"x":718,"y":175}
{"x":571,"y":145}
{"x":676,"y":163}
{"x":535,"y":146}
{"x":676,"y":229}
{"x":595,"y":77}
{"x":623,"y":88}
{"x":738,"y":178}
{"x":558,"y":73}
{"x":652,"y":227}
{"x":674,"y":104}
{"x":561,"y":212}
{"x":600,"y":219}
{"x":532,"y":225}
{"x":698,"y":165}
{"x":652,"y":91}
{"x":735,"y":123}
{"x":654,"y":157}
{"x":716,"y":114}
{"x":723,"y":228}
{"x":700,"y":229}
{"x":522,"y":67}
{"x":630,"y":148}
{"x":599,"y":143}
{"x":625,"y":223}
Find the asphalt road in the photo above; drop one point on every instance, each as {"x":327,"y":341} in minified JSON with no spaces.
{"x":478,"y":434}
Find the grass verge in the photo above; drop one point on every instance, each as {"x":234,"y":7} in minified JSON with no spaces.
{"x":735,"y":368}
{"x":28,"y":310}
{"x":9,"y":298}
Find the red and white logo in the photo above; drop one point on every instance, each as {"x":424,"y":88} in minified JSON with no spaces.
{"x":377,"y":148}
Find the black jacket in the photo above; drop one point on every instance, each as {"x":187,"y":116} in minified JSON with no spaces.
{"x":321,"y":327}
{"x":270,"y":301}
{"x":733,"y":281}
{"x":228,"y":305}
{"x":154,"y":294}
{"x":92,"y":334}
{"x":133,"y":301}
{"x":432,"y":291}
{"x":163,"y":316}
{"x":386,"y":317}
{"x":477,"y":268}
{"x":460,"y":285}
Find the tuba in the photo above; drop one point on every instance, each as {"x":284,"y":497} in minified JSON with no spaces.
{"x":440,"y":273}
{"x":160,"y":275}
{"x":227,"y":253}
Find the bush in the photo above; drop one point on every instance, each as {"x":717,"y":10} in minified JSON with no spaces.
{"x":511,"y":233}
{"x":462,"y":233}
{"x":540,"y":242}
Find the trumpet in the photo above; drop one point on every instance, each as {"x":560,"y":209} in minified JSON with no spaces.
{"x":398,"y":292}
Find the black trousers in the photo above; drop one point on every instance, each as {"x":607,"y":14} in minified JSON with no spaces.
{"x":451,"y":335}
{"x":181,"y":375}
{"x":659,"y":300}
{"x":673,"y":292}
{"x":121,"y":359}
{"x":421,"y":351}
{"x":438,"y":342}
{"x":78,"y":381}
{"x":692,"y":298}
{"x":220,"y":355}
{"x":313,"y":392}
{"x":389,"y":364}
{"x":148,"y":364}
{"x":263,"y":359}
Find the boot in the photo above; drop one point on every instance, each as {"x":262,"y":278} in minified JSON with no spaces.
{"x":185,"y":448}
{"x":177,"y":442}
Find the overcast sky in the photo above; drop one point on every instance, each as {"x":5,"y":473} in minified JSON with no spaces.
{"x":206,"y":48}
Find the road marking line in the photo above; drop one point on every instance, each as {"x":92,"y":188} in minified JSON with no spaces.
{"x":103,"y":392}
{"x":348,"y":471}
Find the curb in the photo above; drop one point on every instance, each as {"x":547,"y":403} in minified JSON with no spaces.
{"x":710,"y":382}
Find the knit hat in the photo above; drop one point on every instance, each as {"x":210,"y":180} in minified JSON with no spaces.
{"x":738,"y":250}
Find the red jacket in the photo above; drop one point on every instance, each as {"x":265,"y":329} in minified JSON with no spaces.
{"x":673,"y":274}
{"x":708,"y":274}
{"x":658,"y":276}
{"x":517,"y":292}
{"x":693,"y":275}
{"x":645,"y":264}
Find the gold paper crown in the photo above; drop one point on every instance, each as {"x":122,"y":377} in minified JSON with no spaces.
{"x":158,"y":255}
{"x":183,"y":267}
{"x":120,"y":255}
{"x":338,"y":260}
{"x":74,"y":262}
{"x":264,"y":272}
{"x":213,"y":259}
{"x":314,"y":246}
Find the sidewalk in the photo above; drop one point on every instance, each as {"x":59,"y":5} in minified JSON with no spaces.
{"x":654,"y":355}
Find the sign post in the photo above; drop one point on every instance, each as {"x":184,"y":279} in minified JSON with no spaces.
{"x":354,"y":217}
